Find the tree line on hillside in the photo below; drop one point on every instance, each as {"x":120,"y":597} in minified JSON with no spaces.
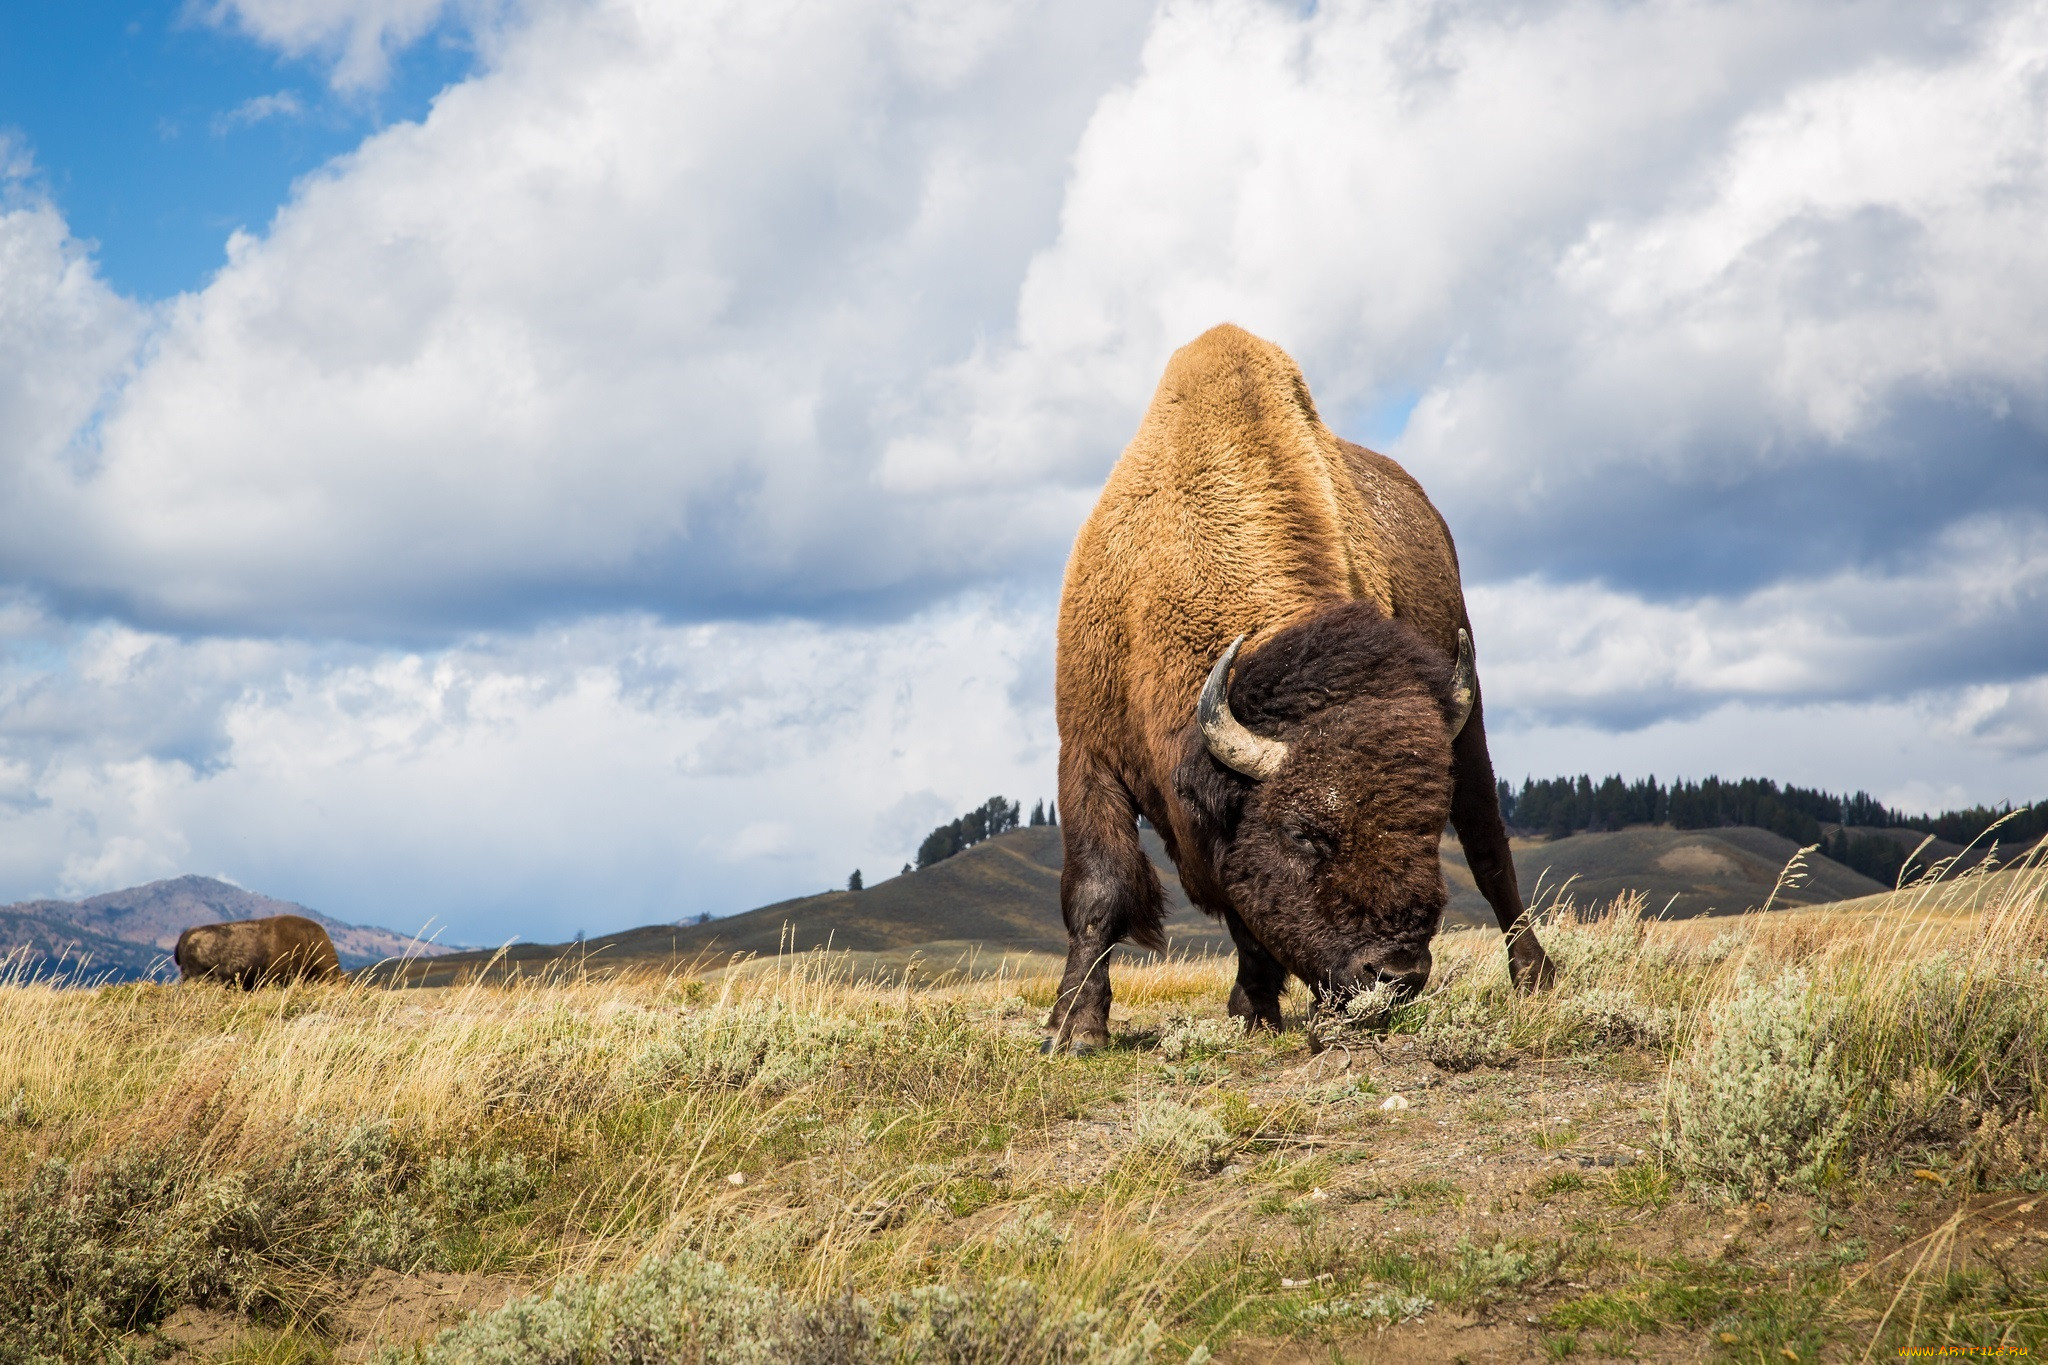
{"x":997,"y":815}
{"x":994,"y":816}
{"x":1566,"y":805}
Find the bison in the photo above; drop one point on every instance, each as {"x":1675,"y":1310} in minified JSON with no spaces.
{"x":1263,"y":650}
{"x":258,"y":952}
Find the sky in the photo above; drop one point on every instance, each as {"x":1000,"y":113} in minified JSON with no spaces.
{"x":542,"y":467}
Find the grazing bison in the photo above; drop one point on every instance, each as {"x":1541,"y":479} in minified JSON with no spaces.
{"x":258,"y":952}
{"x":1263,"y":649}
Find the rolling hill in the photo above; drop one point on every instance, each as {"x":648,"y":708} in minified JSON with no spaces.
{"x":1001,"y":898}
{"x":1680,"y":872}
{"x":128,"y":935}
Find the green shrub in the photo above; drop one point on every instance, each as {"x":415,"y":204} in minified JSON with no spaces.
{"x":1464,"y":1035}
{"x":471,"y":1187}
{"x":1182,"y":1038}
{"x":1758,"y":1101}
{"x":768,"y":1045}
{"x":1617,"y":1018}
{"x":88,"y":1252}
{"x":685,"y":1308}
{"x":1603,"y":948}
{"x":1385,"y":1309}
{"x":1005,"y":1323}
{"x":83,"y":1260}
{"x":1192,"y":1139}
{"x":1033,"y":1241}
{"x":1481,"y":1271}
{"x":678,"y":1307}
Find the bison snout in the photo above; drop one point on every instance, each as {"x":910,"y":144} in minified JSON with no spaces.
{"x":1405,"y":970}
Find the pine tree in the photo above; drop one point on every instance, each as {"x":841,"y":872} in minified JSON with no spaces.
{"x":853,"y":882}
{"x":1037,"y":814}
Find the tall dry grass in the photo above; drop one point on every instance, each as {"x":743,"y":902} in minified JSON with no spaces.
{"x":869,"y":1125}
{"x":1910,"y":1028}
{"x":907,"y":1151}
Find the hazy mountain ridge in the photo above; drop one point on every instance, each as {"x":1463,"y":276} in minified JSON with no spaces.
{"x":129,"y":934}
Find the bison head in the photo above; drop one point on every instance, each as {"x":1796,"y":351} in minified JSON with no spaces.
{"x":1320,"y":781}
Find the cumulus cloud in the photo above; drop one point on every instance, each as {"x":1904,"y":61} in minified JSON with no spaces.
{"x":65,"y":339}
{"x":614,"y":326}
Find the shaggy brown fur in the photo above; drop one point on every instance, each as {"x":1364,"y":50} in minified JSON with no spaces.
{"x":258,"y":952}
{"x":1235,"y":510}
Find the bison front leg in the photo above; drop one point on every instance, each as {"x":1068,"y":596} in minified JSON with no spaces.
{"x":1475,"y":814}
{"x":1108,"y":892}
{"x":1260,"y":979}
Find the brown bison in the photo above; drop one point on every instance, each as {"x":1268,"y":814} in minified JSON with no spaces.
{"x":258,"y":952}
{"x":1263,"y":649}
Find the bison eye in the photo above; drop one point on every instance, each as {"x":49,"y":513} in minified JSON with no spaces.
{"x":1310,"y":843}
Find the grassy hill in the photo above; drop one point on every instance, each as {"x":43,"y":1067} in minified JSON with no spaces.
{"x":1000,"y":899}
{"x":1680,"y":872}
{"x":128,"y":935}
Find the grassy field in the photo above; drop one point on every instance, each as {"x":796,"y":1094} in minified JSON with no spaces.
{"x":1804,"y":1135}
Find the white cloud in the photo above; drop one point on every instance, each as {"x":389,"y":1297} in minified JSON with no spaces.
{"x":280,"y":104}
{"x":359,"y":37}
{"x":614,"y":326}
{"x":2010,"y":717}
{"x":1691,"y":245}
{"x":1855,"y":243}
{"x":614,"y":773}
{"x":1578,"y":651}
{"x":65,"y":340}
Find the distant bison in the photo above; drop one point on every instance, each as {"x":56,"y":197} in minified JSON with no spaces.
{"x":1263,"y":649}
{"x":258,"y":952}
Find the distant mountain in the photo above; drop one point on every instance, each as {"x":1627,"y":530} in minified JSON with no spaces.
{"x":129,"y":935}
{"x":1001,"y":897}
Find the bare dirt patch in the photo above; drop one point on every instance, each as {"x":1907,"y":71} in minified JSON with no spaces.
{"x":1697,"y":860}
{"x":197,"y":1332}
{"x":394,"y":1310}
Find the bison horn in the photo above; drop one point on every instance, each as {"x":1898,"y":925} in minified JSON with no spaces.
{"x":1463,"y":688}
{"x":1234,"y":746}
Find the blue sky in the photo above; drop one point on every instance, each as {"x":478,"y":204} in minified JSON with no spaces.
{"x":548,"y":466}
{"x":157,"y":133}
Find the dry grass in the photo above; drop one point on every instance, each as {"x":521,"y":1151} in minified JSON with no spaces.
{"x":895,"y":1142}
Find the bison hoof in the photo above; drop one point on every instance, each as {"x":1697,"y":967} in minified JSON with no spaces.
{"x":1079,"y":1047}
{"x":1532,"y":972}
